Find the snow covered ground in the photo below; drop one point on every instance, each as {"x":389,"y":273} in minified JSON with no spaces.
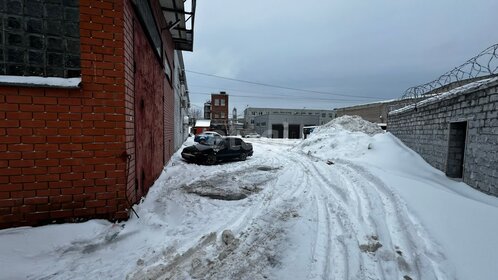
{"x":350,"y":202}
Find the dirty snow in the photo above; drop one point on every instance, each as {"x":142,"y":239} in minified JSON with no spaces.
{"x":350,"y":202}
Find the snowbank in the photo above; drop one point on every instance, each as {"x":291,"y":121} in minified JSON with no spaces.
{"x":346,"y":136}
{"x":459,"y":218}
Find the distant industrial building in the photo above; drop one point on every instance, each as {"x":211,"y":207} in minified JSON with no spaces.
{"x":283,"y":123}
{"x":375,"y":112}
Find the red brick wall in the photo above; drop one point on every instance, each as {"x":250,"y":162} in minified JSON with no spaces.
{"x":63,"y":153}
{"x":169,"y":108}
{"x":169,"y":98}
{"x":61,"y":150}
{"x":148,"y":133}
{"x":217,"y":110}
{"x":130,"y":101}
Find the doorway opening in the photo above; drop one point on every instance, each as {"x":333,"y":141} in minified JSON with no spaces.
{"x":294,"y":131}
{"x":456,"y":149}
{"x":277,"y":131}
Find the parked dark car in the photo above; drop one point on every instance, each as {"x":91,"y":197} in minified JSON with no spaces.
{"x":223,"y":148}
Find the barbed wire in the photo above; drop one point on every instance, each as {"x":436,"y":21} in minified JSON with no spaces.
{"x":482,"y":65}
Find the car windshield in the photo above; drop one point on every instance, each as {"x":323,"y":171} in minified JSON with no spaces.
{"x":209,"y":140}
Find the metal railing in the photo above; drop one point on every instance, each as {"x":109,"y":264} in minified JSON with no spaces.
{"x":483,"y":65}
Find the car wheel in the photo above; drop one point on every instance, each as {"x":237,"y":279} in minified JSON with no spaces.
{"x":243,"y":156}
{"x":211,"y":159}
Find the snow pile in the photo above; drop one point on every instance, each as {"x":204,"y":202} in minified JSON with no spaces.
{"x":353,"y":124}
{"x":346,"y":136}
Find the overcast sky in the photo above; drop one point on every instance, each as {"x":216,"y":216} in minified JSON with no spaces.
{"x":352,"y":48}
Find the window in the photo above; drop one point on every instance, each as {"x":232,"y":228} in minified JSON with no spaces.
{"x":35,"y":42}
{"x":222,"y":102}
{"x":146,"y":16}
{"x":263,"y":124}
{"x":216,"y":116}
{"x":330,"y":115}
{"x":216,"y":102}
{"x":253,"y":113}
{"x":252,"y":121}
{"x":222,"y":114}
{"x":260,"y":113}
{"x":323,"y":115}
{"x":167,"y":67}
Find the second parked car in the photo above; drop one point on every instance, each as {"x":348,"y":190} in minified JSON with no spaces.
{"x":223,"y":148}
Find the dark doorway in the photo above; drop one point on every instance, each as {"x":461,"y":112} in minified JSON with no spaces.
{"x":456,"y":149}
{"x":277,"y":131}
{"x":294,"y":131}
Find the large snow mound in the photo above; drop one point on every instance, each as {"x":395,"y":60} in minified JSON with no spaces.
{"x":343,"y":137}
{"x":353,"y":124}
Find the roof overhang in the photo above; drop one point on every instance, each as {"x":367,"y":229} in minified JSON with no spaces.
{"x":179,"y":15}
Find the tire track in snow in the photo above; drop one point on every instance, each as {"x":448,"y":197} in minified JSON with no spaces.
{"x":419,"y":254}
{"x":258,"y":220}
{"x":370,"y":210}
{"x":329,"y":258}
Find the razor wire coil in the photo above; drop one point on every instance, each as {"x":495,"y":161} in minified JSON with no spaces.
{"x":483,"y":64}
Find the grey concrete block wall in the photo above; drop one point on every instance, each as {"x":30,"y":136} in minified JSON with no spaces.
{"x":39,"y":38}
{"x":426,"y":131}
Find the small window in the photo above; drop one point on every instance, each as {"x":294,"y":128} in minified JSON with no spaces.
{"x":222,"y":114}
{"x":216,"y":116}
{"x":216,"y":102}
{"x":323,"y":115}
{"x":253,"y":113}
{"x":252,"y":121}
{"x":222,"y":102}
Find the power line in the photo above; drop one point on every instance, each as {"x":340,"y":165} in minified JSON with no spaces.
{"x":279,"y":97}
{"x":280,"y":87}
{"x":232,"y":90}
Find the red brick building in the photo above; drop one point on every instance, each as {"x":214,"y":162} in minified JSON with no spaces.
{"x":219,"y":111}
{"x":91,"y":150}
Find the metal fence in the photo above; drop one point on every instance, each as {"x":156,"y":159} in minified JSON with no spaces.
{"x":483,"y":65}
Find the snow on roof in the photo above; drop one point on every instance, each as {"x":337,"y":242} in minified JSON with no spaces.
{"x":35,"y":81}
{"x":368,"y":104}
{"x":449,"y":94}
{"x":202,"y":123}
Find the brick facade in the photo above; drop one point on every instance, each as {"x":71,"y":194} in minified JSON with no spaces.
{"x":434,"y":131}
{"x":70,"y":154}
